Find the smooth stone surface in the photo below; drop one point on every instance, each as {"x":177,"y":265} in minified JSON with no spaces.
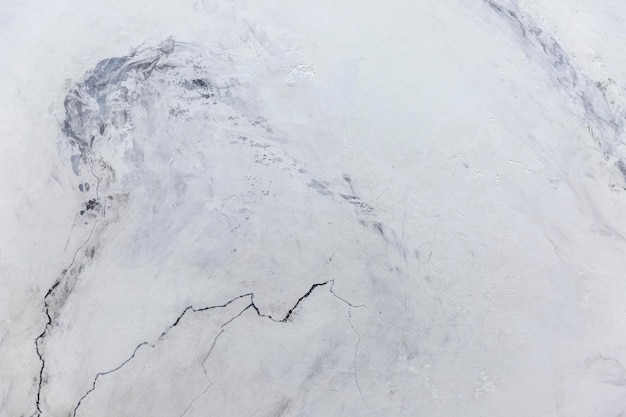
{"x":312,"y":209}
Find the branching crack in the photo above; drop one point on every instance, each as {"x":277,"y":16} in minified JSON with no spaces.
{"x":222,"y":329}
{"x":356,"y":352}
{"x":195,"y":310}
{"x":161,"y":337}
{"x":358,"y":343}
{"x":192,"y":309}
{"x":332,"y":290}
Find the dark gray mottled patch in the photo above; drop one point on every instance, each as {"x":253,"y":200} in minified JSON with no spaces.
{"x":320,"y":186}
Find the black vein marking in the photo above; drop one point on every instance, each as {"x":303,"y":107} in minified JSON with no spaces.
{"x":196,"y":310}
{"x":292,"y":309}
{"x":90,"y":205}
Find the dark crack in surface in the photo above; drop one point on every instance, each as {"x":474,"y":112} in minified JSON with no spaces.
{"x":191,"y":310}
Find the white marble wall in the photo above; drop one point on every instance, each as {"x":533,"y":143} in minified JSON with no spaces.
{"x":312,"y":209}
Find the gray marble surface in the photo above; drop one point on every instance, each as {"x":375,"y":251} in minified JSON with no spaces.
{"x":312,"y":209}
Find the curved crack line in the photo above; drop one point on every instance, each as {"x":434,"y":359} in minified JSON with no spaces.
{"x":100,"y":374}
{"x":332,"y":290}
{"x":96,"y":177}
{"x":211,"y":349}
{"x":220,"y":333}
{"x":358,"y":343}
{"x":196,"y":399}
{"x":356,"y":352}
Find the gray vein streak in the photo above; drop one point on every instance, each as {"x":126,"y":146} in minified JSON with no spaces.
{"x":212,"y":347}
{"x":100,"y":374}
{"x":196,"y":399}
{"x":97,"y":179}
{"x":364,"y":211}
{"x":332,"y":290}
{"x":539,"y":44}
{"x":356,"y":352}
{"x":358,"y":343}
